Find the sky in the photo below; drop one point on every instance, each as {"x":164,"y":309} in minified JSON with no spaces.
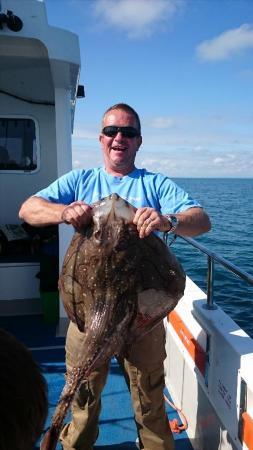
{"x":186,"y":66}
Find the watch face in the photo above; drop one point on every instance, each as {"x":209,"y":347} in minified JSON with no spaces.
{"x":173,"y":221}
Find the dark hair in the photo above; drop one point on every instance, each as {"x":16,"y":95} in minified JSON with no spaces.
{"x":23,"y":396}
{"x":126,"y":108}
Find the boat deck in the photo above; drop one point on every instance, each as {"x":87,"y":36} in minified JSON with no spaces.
{"x":117,"y":426}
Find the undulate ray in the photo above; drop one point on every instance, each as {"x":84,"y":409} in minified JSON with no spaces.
{"x":115,"y":287}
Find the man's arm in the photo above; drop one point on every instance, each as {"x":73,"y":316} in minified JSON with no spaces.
{"x":40,"y":212}
{"x":192,"y":222}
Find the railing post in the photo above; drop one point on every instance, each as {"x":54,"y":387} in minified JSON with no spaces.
{"x":210,"y":278}
{"x":213,"y":257}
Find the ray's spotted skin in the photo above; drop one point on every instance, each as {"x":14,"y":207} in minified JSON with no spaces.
{"x":115,"y":287}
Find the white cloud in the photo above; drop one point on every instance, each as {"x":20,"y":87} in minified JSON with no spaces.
{"x":178,"y":160}
{"x":162,"y":122}
{"x":137,"y":18}
{"x":219,"y":160}
{"x":86,"y":156}
{"x":182,"y":162}
{"x":85,"y":132}
{"x":181,"y":146}
{"x":227,"y":44}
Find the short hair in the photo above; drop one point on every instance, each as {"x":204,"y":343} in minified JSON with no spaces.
{"x":126,"y":108}
{"x":23,"y":396}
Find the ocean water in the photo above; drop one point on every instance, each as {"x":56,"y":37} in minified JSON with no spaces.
{"x":229,"y":203}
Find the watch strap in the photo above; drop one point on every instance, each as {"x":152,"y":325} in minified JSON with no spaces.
{"x":173,"y":220}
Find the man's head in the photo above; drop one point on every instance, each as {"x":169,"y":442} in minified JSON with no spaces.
{"x":128,"y":109}
{"x":23,"y":396}
{"x":120,"y":138}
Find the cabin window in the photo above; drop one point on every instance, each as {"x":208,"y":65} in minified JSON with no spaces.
{"x":18,"y":145}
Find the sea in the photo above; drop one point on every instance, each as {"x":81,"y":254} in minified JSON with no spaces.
{"x":229,"y":204}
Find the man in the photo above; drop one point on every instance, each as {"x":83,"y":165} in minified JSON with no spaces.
{"x":161,"y":206}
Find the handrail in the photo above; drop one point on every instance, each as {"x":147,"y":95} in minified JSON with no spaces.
{"x":211,"y":258}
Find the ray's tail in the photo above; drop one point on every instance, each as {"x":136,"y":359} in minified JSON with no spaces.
{"x":74,"y":379}
{"x":49,"y":441}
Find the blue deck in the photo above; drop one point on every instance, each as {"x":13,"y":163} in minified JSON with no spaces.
{"x":117,"y":427}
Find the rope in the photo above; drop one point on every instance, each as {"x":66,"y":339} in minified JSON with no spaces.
{"x":174,"y":425}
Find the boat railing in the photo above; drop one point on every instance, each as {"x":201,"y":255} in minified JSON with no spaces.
{"x":213,"y":258}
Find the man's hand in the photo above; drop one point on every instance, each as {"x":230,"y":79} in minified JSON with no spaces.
{"x":148,"y":220}
{"x":192,"y":222}
{"x":77,"y":214}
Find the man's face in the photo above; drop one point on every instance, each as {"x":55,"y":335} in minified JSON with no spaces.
{"x":119,"y":151}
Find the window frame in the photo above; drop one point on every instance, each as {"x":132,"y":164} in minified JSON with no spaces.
{"x":37,"y":141}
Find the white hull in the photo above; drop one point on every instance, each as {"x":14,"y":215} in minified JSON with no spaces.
{"x":209,"y":363}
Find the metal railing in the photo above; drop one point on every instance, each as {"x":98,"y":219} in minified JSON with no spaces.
{"x":212,"y":257}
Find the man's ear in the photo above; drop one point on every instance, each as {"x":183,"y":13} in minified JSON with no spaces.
{"x":139,"y":142}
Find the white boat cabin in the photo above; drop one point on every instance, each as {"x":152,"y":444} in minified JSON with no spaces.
{"x":39,"y":73}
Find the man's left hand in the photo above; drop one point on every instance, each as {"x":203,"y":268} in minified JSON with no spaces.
{"x":148,"y":220}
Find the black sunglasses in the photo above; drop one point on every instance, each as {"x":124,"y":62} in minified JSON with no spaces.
{"x":128,"y":132}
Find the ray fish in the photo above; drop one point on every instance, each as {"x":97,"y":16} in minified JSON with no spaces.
{"x":115,"y":287}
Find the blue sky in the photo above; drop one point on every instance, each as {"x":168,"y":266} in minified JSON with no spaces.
{"x":186,"y":66}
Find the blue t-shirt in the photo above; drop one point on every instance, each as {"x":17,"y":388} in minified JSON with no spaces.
{"x":139,"y":188}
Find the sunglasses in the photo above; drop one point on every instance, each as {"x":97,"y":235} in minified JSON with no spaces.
{"x":128,"y":132}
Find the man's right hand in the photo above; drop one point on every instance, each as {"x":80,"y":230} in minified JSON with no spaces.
{"x":77,"y":214}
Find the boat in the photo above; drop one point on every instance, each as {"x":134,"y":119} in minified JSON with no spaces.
{"x":208,"y":369}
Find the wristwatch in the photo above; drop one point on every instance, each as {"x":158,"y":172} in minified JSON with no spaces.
{"x":173,"y":220}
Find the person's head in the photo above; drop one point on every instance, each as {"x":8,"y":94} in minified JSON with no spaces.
{"x":23,"y":396}
{"x":120,"y":138}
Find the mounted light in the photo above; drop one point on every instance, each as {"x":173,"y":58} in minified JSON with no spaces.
{"x":14,"y":23}
{"x":80,"y":91}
